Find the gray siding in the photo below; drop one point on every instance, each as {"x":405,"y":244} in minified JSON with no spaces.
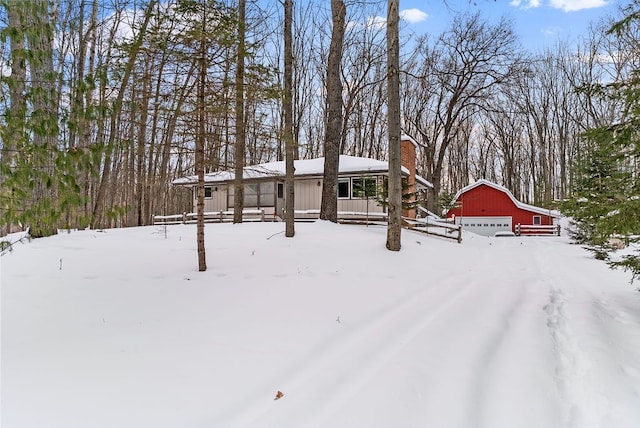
{"x":308,"y":194}
{"x":217,"y":201}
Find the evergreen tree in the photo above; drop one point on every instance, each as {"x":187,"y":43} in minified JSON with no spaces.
{"x":605,"y":200}
{"x":410,"y":199}
{"x":38,"y":172}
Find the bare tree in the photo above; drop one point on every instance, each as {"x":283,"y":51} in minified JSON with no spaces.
{"x":333,"y":124}
{"x":239,"y":160}
{"x":202,"y":80}
{"x":287,"y":107}
{"x":394,"y":227}
{"x":99,"y":204}
{"x":468,"y":62}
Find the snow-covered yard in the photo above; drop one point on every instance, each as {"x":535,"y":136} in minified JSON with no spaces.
{"x":118,"y":329}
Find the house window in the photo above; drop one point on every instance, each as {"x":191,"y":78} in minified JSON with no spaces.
{"x":208,"y":194}
{"x":363,"y":187}
{"x":256,"y":195}
{"x":537,"y":219}
{"x":251,"y":195}
{"x":267,"y":194}
{"x":343,"y":188}
{"x":280,"y":190}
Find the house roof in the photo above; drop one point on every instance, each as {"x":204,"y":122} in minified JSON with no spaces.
{"x":517,"y":203}
{"x":303,"y":167}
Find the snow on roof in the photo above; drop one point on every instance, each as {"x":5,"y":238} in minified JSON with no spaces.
{"x":410,"y":139}
{"x":347,"y":165}
{"x":521,"y":205}
{"x":423,"y":181}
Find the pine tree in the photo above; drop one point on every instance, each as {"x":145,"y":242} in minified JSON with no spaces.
{"x":38,"y":172}
{"x":603,"y":189}
{"x":410,"y":199}
{"x":605,"y":200}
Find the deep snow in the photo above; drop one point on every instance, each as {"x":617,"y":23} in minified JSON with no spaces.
{"x":118,"y":329}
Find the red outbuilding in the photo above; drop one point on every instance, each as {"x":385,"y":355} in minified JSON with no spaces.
{"x":487,"y":208}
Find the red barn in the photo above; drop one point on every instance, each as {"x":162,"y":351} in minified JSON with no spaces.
{"x":486,"y":208}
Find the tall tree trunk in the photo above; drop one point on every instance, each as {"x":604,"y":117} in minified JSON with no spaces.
{"x":202,"y":76}
{"x":140,"y":157}
{"x":287,"y":106}
{"x":394,"y":227}
{"x":333,"y":124}
{"x":238,"y":199}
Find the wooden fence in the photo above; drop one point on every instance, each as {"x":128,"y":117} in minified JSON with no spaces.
{"x":537,"y":230}
{"x":428,"y":226}
{"x":436,"y":228}
{"x":209,"y":217}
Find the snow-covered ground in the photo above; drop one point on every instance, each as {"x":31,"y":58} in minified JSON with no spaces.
{"x":118,"y":329}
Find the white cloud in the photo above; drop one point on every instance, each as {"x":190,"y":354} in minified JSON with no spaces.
{"x":413,"y":16}
{"x":526,"y":4}
{"x":576,"y":5}
{"x":551,"y":31}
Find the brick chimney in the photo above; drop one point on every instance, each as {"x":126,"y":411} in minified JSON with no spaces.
{"x":408,"y":157}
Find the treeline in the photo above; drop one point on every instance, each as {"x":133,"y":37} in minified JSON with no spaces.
{"x":99,"y":101}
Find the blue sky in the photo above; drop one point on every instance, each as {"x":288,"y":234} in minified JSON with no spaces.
{"x":539,"y":23}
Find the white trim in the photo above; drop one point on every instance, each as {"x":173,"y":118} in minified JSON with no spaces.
{"x":348,"y":181}
{"x":423,"y":182}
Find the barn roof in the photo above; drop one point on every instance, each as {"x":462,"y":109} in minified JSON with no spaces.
{"x":521,"y":205}
{"x":303,"y":167}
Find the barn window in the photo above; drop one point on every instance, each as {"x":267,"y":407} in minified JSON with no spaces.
{"x":207,"y":192}
{"x":537,"y":219}
{"x":280,"y":190}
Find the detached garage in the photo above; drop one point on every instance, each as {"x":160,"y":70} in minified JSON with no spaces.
{"x":487,"y":208}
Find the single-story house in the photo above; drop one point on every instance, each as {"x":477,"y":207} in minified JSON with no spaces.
{"x":487,"y":208}
{"x":264,"y":185}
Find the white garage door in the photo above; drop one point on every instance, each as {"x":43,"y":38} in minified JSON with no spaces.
{"x":486,"y":226}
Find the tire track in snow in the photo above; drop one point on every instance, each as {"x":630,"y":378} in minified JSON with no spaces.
{"x":510,"y":352}
{"x":488,"y":380}
{"x":339,"y":369}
